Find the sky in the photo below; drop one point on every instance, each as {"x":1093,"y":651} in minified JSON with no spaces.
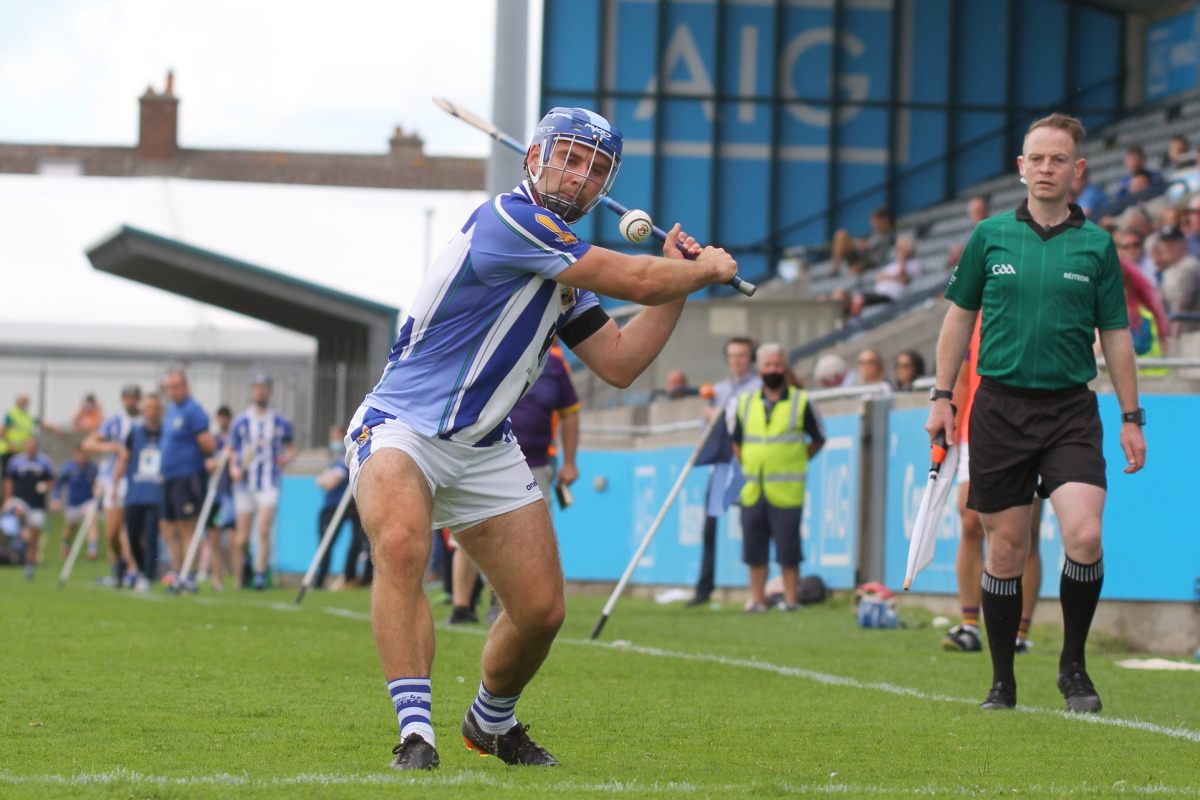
{"x":263,"y":74}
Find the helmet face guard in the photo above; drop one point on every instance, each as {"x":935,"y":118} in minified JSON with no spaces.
{"x":570,"y":140}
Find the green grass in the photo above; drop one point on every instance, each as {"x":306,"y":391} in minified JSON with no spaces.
{"x":238,"y":696}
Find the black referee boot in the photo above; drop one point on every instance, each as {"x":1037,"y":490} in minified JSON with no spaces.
{"x":1002,"y":696}
{"x":1077,"y":689}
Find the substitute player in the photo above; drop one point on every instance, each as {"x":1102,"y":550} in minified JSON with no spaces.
{"x":27,"y":481}
{"x":109,"y":440}
{"x":431,"y":447}
{"x":969,"y":561}
{"x":1045,"y":279}
{"x":260,"y":446}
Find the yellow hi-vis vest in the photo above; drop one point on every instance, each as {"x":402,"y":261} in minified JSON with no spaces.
{"x":19,"y":426}
{"x":1156,"y":349}
{"x":774,"y":453}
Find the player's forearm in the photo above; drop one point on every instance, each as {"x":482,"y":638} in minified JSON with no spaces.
{"x":952,"y":345}
{"x":570,"y":437}
{"x":663,"y":280}
{"x":1122,"y":366}
{"x":640,"y":342}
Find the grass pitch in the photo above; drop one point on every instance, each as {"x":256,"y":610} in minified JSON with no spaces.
{"x":241,"y":695}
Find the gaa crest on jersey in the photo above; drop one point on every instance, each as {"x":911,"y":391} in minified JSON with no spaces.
{"x":363,"y":435}
{"x":567,"y":295}
{"x":562,"y":237}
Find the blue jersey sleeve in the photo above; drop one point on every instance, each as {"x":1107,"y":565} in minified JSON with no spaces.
{"x":514,"y":237}
{"x":287,"y":434}
{"x":584,"y":300}
{"x":197,"y":419}
{"x":237,"y":434}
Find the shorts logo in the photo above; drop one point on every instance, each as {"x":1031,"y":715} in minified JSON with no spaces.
{"x":364,"y":435}
{"x":531,"y":486}
{"x":1074,"y":276}
{"x":562,"y":237}
{"x":1003,"y":269}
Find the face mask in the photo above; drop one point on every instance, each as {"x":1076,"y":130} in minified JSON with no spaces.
{"x":772,"y":380}
{"x":337,"y":448}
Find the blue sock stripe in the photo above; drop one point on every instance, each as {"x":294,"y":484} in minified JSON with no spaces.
{"x":497,"y":707}
{"x":414,"y":718}
{"x":406,"y":692}
{"x":424,"y":683}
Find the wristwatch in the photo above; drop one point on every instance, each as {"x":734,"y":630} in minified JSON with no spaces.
{"x":939,"y":394}
{"x":1136,"y":417}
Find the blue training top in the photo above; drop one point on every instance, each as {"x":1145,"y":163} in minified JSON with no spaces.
{"x":145,"y":466}
{"x":181,"y":455}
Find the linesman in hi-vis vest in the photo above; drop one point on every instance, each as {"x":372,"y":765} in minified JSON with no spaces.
{"x":775,"y":433}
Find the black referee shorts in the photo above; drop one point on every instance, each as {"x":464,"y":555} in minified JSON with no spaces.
{"x":1018,"y":435}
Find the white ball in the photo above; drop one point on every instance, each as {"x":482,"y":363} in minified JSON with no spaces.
{"x":636,"y":226}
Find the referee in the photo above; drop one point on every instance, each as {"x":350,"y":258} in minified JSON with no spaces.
{"x":1045,"y":279}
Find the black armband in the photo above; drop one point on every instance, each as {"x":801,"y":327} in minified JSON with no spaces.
{"x":583,"y":326}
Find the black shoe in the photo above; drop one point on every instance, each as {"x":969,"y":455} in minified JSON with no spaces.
{"x":415,"y":753}
{"x":696,"y":601}
{"x":462,"y":615}
{"x":962,"y":639}
{"x":513,"y":748}
{"x":1077,"y":689}
{"x":1000,"y":697}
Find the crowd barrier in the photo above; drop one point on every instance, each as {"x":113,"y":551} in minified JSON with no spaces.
{"x":863,"y":491}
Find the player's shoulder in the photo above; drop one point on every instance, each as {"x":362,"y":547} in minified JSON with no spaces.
{"x":515,"y":213}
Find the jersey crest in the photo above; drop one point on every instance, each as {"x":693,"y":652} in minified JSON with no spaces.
{"x":562,"y":237}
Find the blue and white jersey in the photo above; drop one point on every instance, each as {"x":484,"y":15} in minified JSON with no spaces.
{"x":115,"y":429}
{"x":482,"y":322}
{"x":257,"y":440}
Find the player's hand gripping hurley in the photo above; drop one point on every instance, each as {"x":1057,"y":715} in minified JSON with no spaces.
{"x":745,"y":287}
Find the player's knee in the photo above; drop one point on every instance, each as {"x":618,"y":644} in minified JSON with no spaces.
{"x":541,"y":616}
{"x":1086,"y":539}
{"x":398,"y":549}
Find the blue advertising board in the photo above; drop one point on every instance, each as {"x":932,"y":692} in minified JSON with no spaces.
{"x":602,"y":530}
{"x":1150,"y":544}
{"x":1172,"y":55}
{"x":765,"y":124}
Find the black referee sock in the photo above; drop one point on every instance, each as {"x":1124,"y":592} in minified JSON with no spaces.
{"x":1002,"y":617}
{"x":1079,"y":592}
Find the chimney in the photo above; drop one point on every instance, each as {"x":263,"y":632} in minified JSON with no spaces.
{"x":405,"y":145}
{"x":158,"y":127}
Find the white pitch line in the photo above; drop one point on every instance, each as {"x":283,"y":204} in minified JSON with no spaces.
{"x":791,"y":672}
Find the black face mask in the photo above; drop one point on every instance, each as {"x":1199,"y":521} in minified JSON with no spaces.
{"x":772,"y":380}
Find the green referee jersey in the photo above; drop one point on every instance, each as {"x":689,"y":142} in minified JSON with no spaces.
{"x":1043,"y":292}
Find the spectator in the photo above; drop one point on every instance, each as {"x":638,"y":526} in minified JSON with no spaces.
{"x":868,"y":252}
{"x":1139,"y":182}
{"x":186,"y":440}
{"x":333,"y":482}
{"x":1193,"y":226}
{"x":978,"y":209}
{"x":88,"y":417}
{"x":1086,"y":194}
{"x":769,"y":439}
{"x":78,"y":476}
{"x":17,"y":426}
{"x":830,"y":371}
{"x":676,"y":386}
{"x":142,"y":460}
{"x":739,"y":359}
{"x":1147,"y":320}
{"x":909,"y":366}
{"x":870,"y":370}
{"x":891,"y":283}
{"x":1135,"y":164}
{"x":1130,"y":247}
{"x":1179,"y":281}
{"x":27,"y":480}
{"x":1179,"y":154}
{"x":1169,"y":217}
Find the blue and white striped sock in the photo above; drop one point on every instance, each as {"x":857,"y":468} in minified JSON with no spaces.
{"x":495,"y":714}
{"x":412,"y":698}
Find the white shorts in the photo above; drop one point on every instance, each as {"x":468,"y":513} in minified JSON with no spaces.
{"x":964,"y":460}
{"x":247,"y":501}
{"x":469,"y":484}
{"x":30,"y":517}
{"x":74,"y":514}
{"x":119,"y":494}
